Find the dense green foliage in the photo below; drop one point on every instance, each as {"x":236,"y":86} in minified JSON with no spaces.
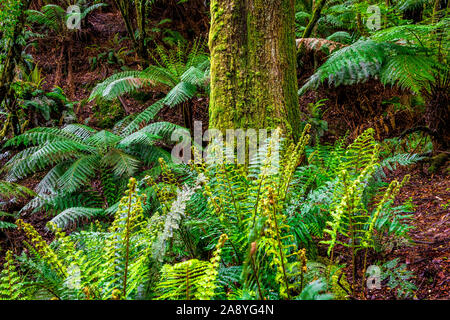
{"x":264,"y":222}
{"x":302,"y":219}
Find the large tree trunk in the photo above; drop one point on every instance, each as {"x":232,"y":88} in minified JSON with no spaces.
{"x":253,"y":65}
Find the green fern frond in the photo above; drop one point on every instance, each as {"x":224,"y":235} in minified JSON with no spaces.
{"x":408,"y":72}
{"x":11,"y":284}
{"x":49,"y":184}
{"x":122,"y":164}
{"x":340,"y":36}
{"x":181,"y":280}
{"x":78,"y":174}
{"x":182,"y":92}
{"x":124,"y":253}
{"x":349,"y":65}
{"x":192,"y":279}
{"x":52,"y":16}
{"x":144,"y":117}
{"x":404,"y":5}
{"x":73,"y":215}
{"x":12,"y":190}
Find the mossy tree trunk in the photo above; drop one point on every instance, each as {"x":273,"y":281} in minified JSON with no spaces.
{"x":253,"y":65}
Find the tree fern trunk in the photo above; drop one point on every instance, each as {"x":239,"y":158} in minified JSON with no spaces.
{"x":14,"y":52}
{"x":253,"y":65}
{"x":315,"y":17}
{"x":123,"y":7}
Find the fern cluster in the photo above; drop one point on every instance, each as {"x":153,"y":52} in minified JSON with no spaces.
{"x":10,"y":281}
{"x":77,"y":154}
{"x":226,"y":231}
{"x":409,"y":56}
{"x":181,"y":71}
{"x":93,"y":264}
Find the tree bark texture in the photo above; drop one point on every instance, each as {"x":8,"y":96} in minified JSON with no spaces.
{"x":253,"y":65}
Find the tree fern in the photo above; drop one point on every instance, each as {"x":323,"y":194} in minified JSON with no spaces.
{"x":77,"y":155}
{"x":409,"y":72}
{"x":182,"y":73}
{"x":11,"y":284}
{"x":397,"y":56}
{"x":355,"y":63}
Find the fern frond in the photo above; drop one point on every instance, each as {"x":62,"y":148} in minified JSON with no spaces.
{"x":119,"y":84}
{"x":73,"y":215}
{"x":125,"y":254}
{"x":52,"y":16}
{"x":180,"y":281}
{"x":162,"y":129}
{"x":144,"y":117}
{"x":11,"y":284}
{"x":122,"y":164}
{"x":409,"y":72}
{"x":79,"y":173}
{"x":12,"y":190}
{"x":182,"y":92}
{"x":49,"y":184}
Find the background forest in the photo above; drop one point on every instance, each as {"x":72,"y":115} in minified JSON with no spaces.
{"x":94,"y":207}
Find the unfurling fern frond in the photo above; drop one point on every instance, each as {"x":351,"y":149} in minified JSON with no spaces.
{"x":361,"y":154}
{"x":11,"y":284}
{"x":43,"y":251}
{"x":95,"y":263}
{"x":389,"y":195}
{"x":279,"y":245}
{"x":192,"y":279}
{"x":180,"y":281}
{"x":126,"y":251}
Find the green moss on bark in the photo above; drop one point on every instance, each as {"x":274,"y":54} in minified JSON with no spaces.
{"x":253,"y":60}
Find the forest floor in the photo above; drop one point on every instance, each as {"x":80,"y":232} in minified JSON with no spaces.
{"x":428,"y":258}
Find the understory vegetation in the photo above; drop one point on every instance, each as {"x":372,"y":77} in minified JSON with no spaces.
{"x":94,"y":205}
